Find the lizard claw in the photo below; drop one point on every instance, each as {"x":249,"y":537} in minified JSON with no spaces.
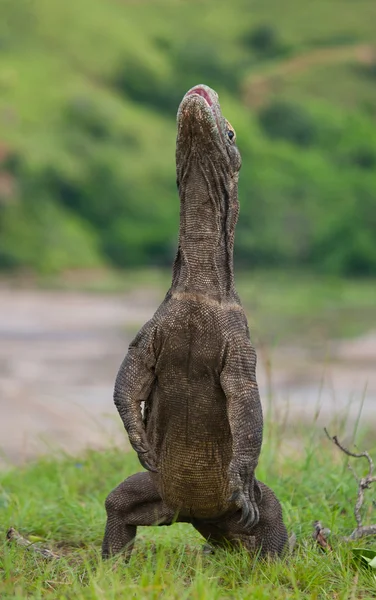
{"x":139,"y":447}
{"x":145,"y":454}
{"x":250,"y":514}
{"x":249,"y":510}
{"x":245,"y":514}
{"x":234,"y":496}
{"x":244,"y":487}
{"x":252,"y":520}
{"x":146,"y":464}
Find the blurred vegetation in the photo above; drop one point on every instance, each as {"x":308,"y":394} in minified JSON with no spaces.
{"x":88,"y":96}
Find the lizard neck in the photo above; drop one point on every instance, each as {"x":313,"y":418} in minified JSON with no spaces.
{"x":208,"y":215}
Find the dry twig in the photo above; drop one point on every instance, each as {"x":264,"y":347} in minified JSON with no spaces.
{"x":320,"y":534}
{"x":14,"y":536}
{"x":364,"y":483}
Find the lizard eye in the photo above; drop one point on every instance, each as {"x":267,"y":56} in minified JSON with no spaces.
{"x":230,"y":132}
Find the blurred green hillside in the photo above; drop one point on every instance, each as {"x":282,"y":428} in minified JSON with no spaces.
{"x":89,"y":90}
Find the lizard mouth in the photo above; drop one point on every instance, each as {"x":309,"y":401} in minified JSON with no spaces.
{"x":209,"y":97}
{"x":199,"y":91}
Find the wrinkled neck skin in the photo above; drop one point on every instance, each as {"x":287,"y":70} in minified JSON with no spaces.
{"x":208,"y":215}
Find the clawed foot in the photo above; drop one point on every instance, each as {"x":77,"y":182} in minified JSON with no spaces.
{"x":245,"y":490}
{"x":249,"y":510}
{"x":147,"y":460}
{"x":146,"y":456}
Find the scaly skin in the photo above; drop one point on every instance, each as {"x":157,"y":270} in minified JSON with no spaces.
{"x":195,"y":368}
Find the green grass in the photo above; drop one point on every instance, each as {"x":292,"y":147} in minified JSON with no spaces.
{"x":60,"y":500}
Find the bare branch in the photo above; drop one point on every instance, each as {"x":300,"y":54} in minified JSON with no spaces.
{"x":364,"y":483}
{"x":320,"y":534}
{"x":346,"y":451}
{"x":360,"y":532}
{"x":14,"y":536}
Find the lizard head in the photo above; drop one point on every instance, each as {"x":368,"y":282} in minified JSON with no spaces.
{"x":207,"y":168}
{"x":204,"y":133}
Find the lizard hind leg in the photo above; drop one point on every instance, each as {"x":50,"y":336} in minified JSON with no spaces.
{"x":266,"y":539}
{"x":133,"y":503}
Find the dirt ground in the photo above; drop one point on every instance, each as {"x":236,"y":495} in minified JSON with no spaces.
{"x":60,"y":352}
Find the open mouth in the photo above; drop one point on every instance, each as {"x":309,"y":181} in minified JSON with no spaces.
{"x":210,"y":98}
{"x":199,"y":91}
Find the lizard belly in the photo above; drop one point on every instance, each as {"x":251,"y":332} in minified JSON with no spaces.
{"x":197,"y":486}
{"x":188,"y":426}
{"x":194,"y":446}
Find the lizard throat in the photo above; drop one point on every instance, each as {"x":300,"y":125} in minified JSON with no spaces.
{"x":204,"y":261}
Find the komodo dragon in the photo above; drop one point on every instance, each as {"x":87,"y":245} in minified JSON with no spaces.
{"x":193,"y":366}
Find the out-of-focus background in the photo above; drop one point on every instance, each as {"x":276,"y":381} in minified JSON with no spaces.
{"x":89,"y":91}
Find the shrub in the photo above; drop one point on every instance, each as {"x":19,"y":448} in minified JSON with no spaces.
{"x":143,"y":84}
{"x":282,"y":119}
{"x":200,"y":61}
{"x":84,"y":114}
{"x":363,"y":157}
{"x":265,"y":41}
